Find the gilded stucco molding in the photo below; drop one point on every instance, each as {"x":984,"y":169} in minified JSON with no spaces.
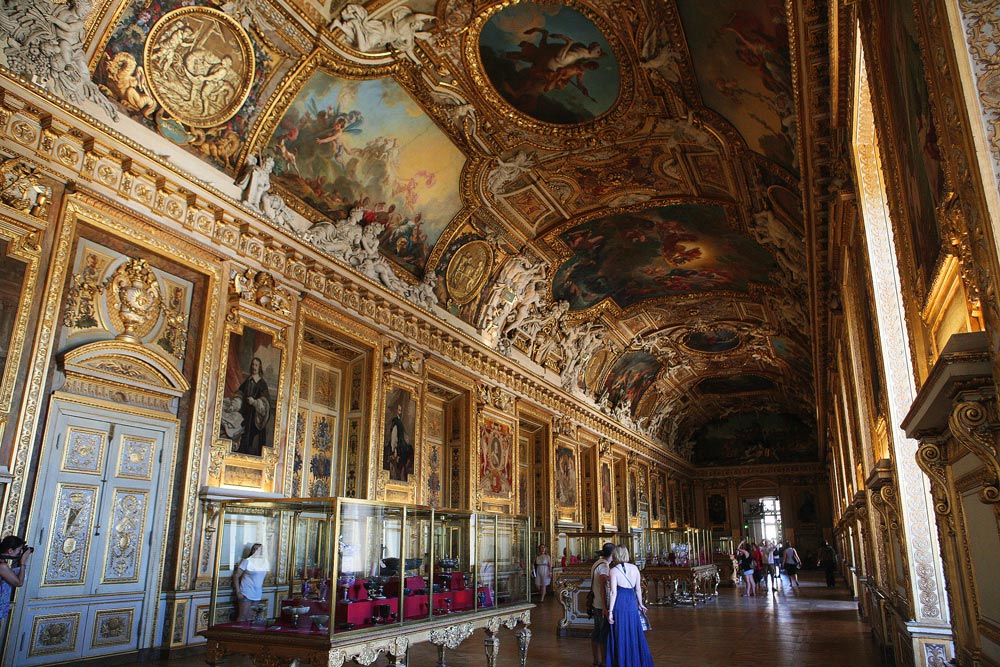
{"x":974,"y":426}
{"x":148,"y":184}
{"x":982,"y":24}
{"x":926,"y":578}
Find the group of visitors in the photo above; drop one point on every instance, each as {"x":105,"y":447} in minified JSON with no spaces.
{"x":761,"y":566}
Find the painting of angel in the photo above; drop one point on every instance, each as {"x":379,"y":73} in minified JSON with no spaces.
{"x":550,"y":62}
{"x":344,"y":144}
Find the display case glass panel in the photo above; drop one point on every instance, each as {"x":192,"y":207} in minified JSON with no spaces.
{"x":353,"y":565}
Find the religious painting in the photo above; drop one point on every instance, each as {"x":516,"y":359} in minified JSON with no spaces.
{"x":630,"y":377}
{"x":657,"y":252}
{"x":606,"y":487}
{"x":712,"y":341}
{"x":191,"y":74}
{"x":549,"y":62}
{"x":716,"y":510}
{"x":400,"y":426}
{"x":566,"y":476}
{"x":345,"y":143}
{"x":742,"y":61}
{"x":754,"y":437}
{"x":735,"y":384}
{"x":496,"y":449}
{"x":918,"y":159}
{"x":253,"y":371}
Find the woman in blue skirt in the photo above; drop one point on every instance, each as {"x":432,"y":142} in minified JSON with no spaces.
{"x":627,"y":645}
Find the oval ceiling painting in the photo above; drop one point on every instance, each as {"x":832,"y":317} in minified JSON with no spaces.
{"x":712,"y":341}
{"x":550,"y":63}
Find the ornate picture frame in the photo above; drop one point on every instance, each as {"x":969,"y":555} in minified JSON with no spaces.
{"x":249,"y":335}
{"x":401,"y":409}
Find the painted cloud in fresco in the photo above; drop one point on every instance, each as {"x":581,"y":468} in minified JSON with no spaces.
{"x":659,"y":252}
{"x":741,"y":58}
{"x":341,"y":142}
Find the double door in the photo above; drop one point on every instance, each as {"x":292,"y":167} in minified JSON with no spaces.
{"x":97,"y":525}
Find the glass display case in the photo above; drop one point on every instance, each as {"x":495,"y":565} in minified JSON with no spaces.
{"x":683,"y":547}
{"x":338,"y":566}
{"x":583,"y":547}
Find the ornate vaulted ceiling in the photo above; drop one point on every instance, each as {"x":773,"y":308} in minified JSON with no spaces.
{"x":607,"y":191}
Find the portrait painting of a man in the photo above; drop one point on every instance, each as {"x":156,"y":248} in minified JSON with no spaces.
{"x":397,"y":448}
{"x":249,"y":397}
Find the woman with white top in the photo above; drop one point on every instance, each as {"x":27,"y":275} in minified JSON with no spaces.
{"x":627,"y":645}
{"x":248,"y":581}
{"x":543,"y":570}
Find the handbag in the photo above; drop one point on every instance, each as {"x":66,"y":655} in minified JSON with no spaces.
{"x":644,"y":621}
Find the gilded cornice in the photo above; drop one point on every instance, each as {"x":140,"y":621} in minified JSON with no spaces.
{"x":816,"y":470}
{"x":119,"y":168}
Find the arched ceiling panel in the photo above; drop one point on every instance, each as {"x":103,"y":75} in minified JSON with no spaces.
{"x":659,"y":252}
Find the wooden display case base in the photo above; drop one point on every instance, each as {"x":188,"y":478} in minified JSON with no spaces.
{"x":364,"y":648}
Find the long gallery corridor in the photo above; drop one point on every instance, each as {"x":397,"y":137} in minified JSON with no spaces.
{"x":811,"y":626}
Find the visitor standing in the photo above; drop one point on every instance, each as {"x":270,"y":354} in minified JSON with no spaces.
{"x":746,"y":564}
{"x":627,"y":645}
{"x":599,"y":586}
{"x":828,"y":561}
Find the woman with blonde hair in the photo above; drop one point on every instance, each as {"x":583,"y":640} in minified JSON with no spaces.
{"x":627,"y":645}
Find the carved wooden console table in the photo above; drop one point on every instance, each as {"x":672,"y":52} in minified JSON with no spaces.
{"x":572,"y":583}
{"x":283,"y":649}
{"x":680,"y":585}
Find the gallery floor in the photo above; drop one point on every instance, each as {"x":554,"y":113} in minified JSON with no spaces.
{"x":811,"y":626}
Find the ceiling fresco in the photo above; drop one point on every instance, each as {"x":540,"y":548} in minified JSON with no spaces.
{"x":664,"y":251}
{"x":755,"y":437}
{"x":549,"y":62}
{"x":341,"y":142}
{"x":741,"y":57}
{"x":605,"y":191}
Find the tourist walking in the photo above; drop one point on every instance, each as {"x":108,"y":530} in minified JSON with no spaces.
{"x":828,"y":561}
{"x":543,"y":571}
{"x":744,"y":557}
{"x":792,"y":563}
{"x":627,"y":645}
{"x":599,"y":585}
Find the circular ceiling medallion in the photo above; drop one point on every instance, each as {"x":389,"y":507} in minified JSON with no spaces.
{"x":468,"y":270}
{"x":712,"y":341}
{"x":200,"y":65}
{"x":549,"y":62}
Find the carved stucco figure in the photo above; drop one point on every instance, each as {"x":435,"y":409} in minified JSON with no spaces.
{"x":45,"y":43}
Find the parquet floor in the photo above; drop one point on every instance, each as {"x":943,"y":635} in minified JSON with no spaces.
{"x":811,"y":626}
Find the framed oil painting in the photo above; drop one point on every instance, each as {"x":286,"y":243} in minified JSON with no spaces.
{"x":566,"y":494}
{"x":249,"y":401}
{"x":606,"y":499}
{"x":400,"y":427}
{"x":716,"y":510}
{"x":550,"y":62}
{"x":496,"y":449}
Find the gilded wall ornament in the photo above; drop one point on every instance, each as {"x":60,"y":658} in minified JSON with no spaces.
{"x":21,"y":187}
{"x":260,"y":288}
{"x":200,"y":65}
{"x":468,"y":270}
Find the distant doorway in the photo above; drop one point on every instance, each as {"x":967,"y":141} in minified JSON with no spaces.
{"x":762,"y":519}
